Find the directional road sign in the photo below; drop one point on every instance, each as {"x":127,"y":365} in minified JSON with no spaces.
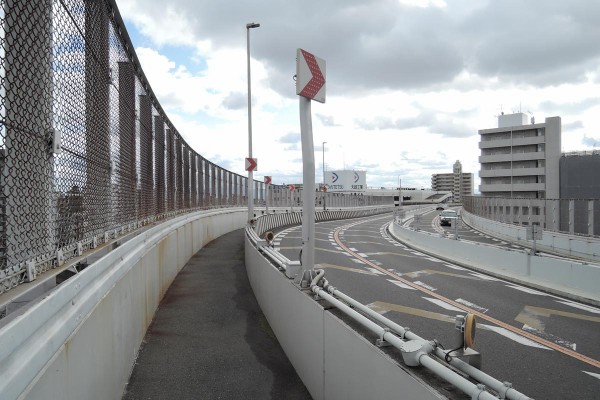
{"x":267,"y":180}
{"x":251,"y":164}
{"x":292,"y":187}
{"x":310,"y":76}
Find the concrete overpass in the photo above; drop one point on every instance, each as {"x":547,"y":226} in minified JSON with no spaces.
{"x":103,"y":203}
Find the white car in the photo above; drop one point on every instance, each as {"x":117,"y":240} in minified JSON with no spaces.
{"x":447,"y":216}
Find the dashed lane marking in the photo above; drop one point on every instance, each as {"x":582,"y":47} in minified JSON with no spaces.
{"x":348,"y":269}
{"x":501,"y":324}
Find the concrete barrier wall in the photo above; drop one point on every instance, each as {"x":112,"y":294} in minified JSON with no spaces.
{"x":59,"y":347}
{"x":333,"y":361}
{"x":581,"y":247}
{"x":578,"y":281}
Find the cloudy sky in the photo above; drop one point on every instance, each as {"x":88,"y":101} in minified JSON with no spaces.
{"x":409,"y":82}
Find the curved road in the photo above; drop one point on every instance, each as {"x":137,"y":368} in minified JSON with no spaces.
{"x":546,"y":346}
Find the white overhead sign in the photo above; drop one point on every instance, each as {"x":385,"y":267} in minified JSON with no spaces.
{"x":346,"y":181}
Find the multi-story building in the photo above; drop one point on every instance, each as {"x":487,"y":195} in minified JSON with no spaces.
{"x":520,"y":160}
{"x":459,"y":183}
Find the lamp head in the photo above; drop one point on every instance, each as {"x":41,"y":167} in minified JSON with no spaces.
{"x":252,"y":25}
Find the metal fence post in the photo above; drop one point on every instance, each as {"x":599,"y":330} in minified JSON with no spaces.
{"x":159,"y":162}
{"x":571,"y":216}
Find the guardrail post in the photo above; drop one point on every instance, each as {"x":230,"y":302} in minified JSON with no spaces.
{"x":590,"y":217}
{"x":571,"y":216}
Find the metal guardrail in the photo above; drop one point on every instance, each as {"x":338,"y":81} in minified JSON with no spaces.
{"x":571,"y":216}
{"x":415,"y":350}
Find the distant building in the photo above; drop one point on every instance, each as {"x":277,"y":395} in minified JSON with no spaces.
{"x":579,"y":178}
{"x":458,"y":182}
{"x":520,"y":160}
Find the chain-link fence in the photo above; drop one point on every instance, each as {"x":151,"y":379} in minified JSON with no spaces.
{"x":86,"y":151}
{"x":572,"y":216}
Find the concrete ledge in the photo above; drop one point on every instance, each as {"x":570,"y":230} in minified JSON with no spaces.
{"x":577,"y":281}
{"x":585,"y":248}
{"x":83,"y":337}
{"x":333,"y":361}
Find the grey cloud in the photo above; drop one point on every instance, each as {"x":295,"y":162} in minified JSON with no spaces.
{"x":291,"y":137}
{"x":590,"y":141}
{"x":384,"y":44}
{"x":570,"y":107}
{"x":292,"y":147}
{"x":535,"y":42}
{"x":572,"y":126}
{"x":235,"y":101}
{"x":443,"y":126}
{"x":326,"y":120}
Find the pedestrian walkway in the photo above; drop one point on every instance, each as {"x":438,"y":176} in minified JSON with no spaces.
{"x":210,"y":340}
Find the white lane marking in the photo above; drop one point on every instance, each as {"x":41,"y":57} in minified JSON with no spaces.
{"x":580,"y":306}
{"x":401,"y":284}
{"x":356,"y":260}
{"x":363,"y":255}
{"x":548,"y":336}
{"x":597,"y":376}
{"x":375,"y":271}
{"x":378,"y":263}
{"x":353,"y":249}
{"x":416,"y":253}
{"x":472,"y":305}
{"x":443,"y":304}
{"x":503,"y":243}
{"x":426,"y":286}
{"x":513,"y":336}
{"x":433,"y":259}
{"x":454,"y":266}
{"x":484,"y":277}
{"x":526,"y":290}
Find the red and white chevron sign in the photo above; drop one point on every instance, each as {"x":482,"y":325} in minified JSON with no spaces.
{"x":310,"y":76}
{"x":267,"y":180}
{"x":251,"y":164}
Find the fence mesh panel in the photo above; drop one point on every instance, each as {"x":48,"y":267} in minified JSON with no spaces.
{"x":68,"y":70}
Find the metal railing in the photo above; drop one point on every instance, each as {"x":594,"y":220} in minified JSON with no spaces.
{"x":415,"y":350}
{"x":572,"y":216}
{"x":87,"y":153}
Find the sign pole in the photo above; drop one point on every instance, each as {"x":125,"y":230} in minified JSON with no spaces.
{"x":308,"y":189}
{"x":310,"y":85}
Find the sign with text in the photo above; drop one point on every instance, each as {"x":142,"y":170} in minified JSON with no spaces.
{"x":346,"y":181}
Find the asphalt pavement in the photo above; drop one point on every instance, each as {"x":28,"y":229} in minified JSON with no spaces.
{"x":525,"y":336}
{"x":209,"y":339}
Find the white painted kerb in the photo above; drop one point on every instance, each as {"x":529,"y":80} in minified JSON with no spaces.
{"x":82,"y":338}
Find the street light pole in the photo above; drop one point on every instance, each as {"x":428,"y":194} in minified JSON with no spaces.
{"x":250,"y":188}
{"x":323,"y":188}
{"x":400,"y":190}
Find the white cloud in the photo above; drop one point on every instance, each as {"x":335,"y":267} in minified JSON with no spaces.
{"x":411,"y":109}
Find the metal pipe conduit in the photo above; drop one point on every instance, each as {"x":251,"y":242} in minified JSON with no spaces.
{"x":503,"y":389}
{"x":440,"y":370}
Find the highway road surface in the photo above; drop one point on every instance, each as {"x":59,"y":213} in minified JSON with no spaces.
{"x":548,"y":347}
